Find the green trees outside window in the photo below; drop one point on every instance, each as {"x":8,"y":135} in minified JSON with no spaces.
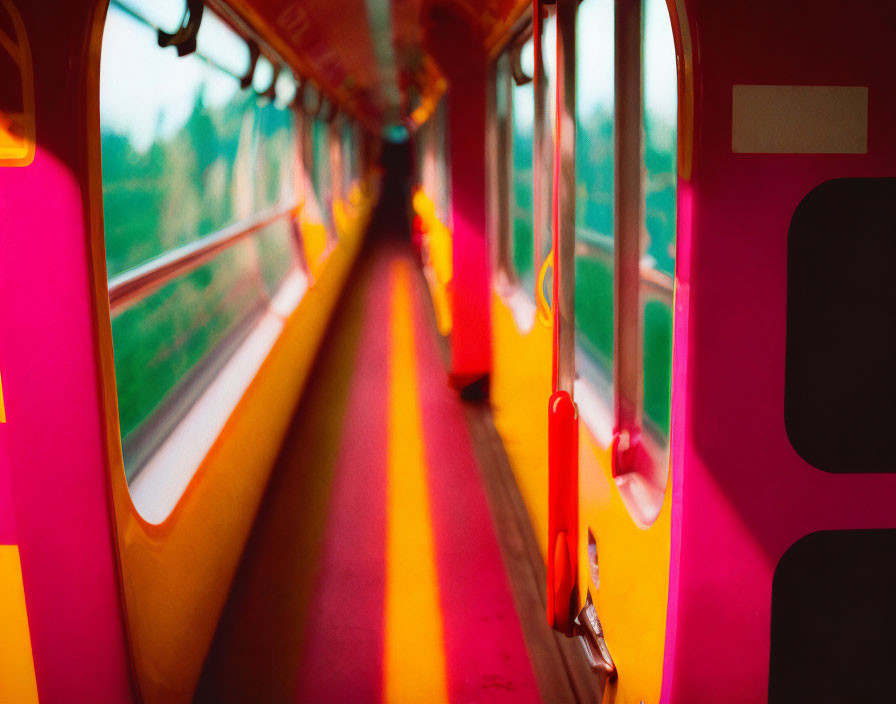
{"x":185,"y":153}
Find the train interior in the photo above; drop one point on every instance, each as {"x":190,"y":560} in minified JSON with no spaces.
{"x":446,"y":351}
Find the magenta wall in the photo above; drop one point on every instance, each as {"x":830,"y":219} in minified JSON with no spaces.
{"x":55,"y":425}
{"x":741,"y":493}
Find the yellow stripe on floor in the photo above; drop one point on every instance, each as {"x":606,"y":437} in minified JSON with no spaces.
{"x":414,"y":667}
{"x":17,"y":681}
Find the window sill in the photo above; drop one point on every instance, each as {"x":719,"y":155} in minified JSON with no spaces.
{"x":520,"y":303}
{"x":162,"y":481}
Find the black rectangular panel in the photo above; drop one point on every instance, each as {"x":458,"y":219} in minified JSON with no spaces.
{"x":840,"y":376}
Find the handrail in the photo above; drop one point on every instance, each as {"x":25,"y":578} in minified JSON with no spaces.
{"x":137,"y":283}
{"x":595,"y":239}
{"x":660,"y":284}
{"x":656,"y":282}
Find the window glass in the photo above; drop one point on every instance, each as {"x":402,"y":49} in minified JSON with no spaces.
{"x":522,"y":205}
{"x":321,"y":178}
{"x":549,"y":63}
{"x":336,"y":164}
{"x":185,"y":153}
{"x":443,"y":170}
{"x":161,"y":342}
{"x":659,"y":178}
{"x":348,"y":157}
{"x":286,"y":89}
{"x":594,"y":190}
{"x":421,"y":153}
{"x":264,"y":74}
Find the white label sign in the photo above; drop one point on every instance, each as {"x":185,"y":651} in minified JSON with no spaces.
{"x":799,"y":120}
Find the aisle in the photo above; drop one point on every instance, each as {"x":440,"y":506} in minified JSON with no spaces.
{"x":373,"y":572}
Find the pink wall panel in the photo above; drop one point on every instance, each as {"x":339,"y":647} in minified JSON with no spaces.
{"x":741,"y":494}
{"x":461,"y":58}
{"x":55,"y":431}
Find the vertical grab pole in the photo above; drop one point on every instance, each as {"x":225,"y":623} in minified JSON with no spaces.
{"x":541,"y":200}
{"x":563,"y":482}
{"x":564,"y":206}
{"x":627,"y":377}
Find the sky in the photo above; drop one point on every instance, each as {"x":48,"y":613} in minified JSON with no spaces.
{"x":594,"y":39}
{"x":145,"y":89}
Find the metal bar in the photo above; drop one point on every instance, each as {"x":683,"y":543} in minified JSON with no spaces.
{"x":300,"y":122}
{"x":335,"y":156}
{"x":627,"y":377}
{"x":565,"y":189}
{"x":135,"y":284}
{"x":659,"y":284}
{"x":498,"y":145}
{"x":540,"y":196}
{"x":595,"y":240}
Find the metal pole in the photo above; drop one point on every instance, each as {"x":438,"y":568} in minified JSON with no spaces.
{"x":565,"y":198}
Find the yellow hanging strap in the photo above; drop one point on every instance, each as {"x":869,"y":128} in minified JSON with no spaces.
{"x":544,"y":311}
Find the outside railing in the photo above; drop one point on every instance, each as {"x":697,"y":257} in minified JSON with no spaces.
{"x":598,"y":246}
{"x":137,"y":283}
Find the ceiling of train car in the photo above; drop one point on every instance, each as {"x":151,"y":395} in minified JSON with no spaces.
{"x":368,"y":53}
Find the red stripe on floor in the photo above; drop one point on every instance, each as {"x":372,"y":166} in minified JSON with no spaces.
{"x":342,"y":650}
{"x":486,"y":656}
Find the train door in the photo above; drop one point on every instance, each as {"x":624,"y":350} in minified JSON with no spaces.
{"x":614,"y":232}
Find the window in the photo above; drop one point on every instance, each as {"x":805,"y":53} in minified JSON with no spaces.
{"x":660,"y":105}
{"x":321,"y":176}
{"x":348,"y":157}
{"x":522,"y":204}
{"x":17,"y":125}
{"x":626,"y":165}
{"x":514,"y":174}
{"x":501,"y":167}
{"x":594,"y":193}
{"x":186,"y":154}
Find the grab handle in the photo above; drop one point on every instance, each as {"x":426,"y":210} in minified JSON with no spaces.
{"x":563,"y":512}
{"x":544,"y":311}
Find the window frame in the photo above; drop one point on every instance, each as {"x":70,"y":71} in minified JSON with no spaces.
{"x":154,"y":486}
{"x":504,"y":74}
{"x":640,"y":453}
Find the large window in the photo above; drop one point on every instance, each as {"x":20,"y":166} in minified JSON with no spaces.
{"x":349,"y":157}
{"x":186,"y":154}
{"x":321,"y":175}
{"x":522,"y":204}
{"x":522,"y":242}
{"x":659,"y":178}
